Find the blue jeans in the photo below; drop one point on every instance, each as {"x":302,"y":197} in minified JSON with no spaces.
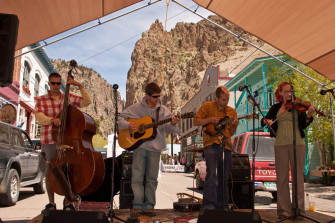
{"x":145,"y":163}
{"x":213,"y":186}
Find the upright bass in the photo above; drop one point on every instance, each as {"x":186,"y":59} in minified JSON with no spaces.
{"x":76,"y":168}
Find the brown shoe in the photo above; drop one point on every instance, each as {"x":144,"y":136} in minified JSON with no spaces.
{"x":150,"y":212}
{"x":135,"y":212}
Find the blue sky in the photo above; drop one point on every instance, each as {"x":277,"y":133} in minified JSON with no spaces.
{"x":107,"y":48}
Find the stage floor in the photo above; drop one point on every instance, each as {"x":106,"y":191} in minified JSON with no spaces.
{"x":170,"y":215}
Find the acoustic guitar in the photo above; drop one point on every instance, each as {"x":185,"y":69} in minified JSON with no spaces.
{"x":216,"y":129}
{"x":146,"y":129}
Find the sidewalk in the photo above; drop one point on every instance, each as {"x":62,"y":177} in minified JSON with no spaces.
{"x":323,"y":196}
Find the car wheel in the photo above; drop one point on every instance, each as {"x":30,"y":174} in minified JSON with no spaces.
{"x":12,"y":189}
{"x":40,"y":187}
{"x":198,"y":182}
{"x":274,"y":195}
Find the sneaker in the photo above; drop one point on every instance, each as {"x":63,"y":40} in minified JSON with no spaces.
{"x":150,"y":212}
{"x":49,"y":207}
{"x":69,"y":207}
{"x":135,"y":212}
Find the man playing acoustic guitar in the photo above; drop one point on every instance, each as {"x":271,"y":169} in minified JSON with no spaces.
{"x":209,"y":115}
{"x":146,"y":157}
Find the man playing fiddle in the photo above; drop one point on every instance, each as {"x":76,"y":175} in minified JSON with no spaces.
{"x":215,"y":147}
{"x":47,"y":108}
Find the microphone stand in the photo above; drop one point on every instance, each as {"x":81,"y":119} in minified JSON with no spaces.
{"x":254,"y":105}
{"x":111,"y":213}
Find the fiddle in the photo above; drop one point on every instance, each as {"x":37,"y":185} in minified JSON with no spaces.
{"x":301,"y":106}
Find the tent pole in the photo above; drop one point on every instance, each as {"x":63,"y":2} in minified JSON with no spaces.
{"x":90,"y":27}
{"x":239,"y":36}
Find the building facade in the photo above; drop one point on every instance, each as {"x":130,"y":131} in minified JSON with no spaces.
{"x":30,"y":79}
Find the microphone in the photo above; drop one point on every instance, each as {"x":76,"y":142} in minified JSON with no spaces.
{"x":323,"y":92}
{"x":241,"y":88}
{"x":115,"y":86}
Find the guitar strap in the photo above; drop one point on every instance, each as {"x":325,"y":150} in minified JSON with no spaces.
{"x":157,"y":113}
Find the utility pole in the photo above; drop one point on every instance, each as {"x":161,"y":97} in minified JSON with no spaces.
{"x":171,"y":136}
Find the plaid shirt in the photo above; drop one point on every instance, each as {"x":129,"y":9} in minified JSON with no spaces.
{"x":51,"y":108}
{"x":210,"y":109}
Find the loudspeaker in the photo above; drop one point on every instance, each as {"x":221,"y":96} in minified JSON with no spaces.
{"x":126,"y":195}
{"x":75,"y":216}
{"x":126,"y":171}
{"x":103,"y":193}
{"x":240,"y":194}
{"x":209,"y":216}
{"x":240,"y":170}
{"x":127,"y":157}
{"x":8,"y":36}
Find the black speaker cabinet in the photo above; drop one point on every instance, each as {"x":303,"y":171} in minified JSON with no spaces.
{"x":126,"y":171}
{"x":8,"y":36}
{"x":214,"y":216}
{"x":240,"y":170}
{"x":126,"y":195}
{"x":127,"y":157}
{"x":75,"y":216}
{"x":240,"y":194}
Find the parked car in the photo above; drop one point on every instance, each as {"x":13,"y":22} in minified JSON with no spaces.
{"x":19,"y":164}
{"x":265,"y":173}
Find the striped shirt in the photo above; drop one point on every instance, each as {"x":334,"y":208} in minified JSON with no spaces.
{"x":51,"y":108}
{"x":211,"y":109}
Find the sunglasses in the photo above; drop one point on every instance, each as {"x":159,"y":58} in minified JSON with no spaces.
{"x":155,"y":96}
{"x":53,"y":83}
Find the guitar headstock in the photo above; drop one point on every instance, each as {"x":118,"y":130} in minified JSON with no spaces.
{"x":187,"y":115}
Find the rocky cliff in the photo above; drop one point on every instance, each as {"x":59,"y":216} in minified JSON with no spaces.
{"x":102,"y":109}
{"x":188,"y":49}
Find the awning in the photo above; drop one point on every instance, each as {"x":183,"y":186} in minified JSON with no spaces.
{"x":304,"y":30}
{"x":41,"y":19}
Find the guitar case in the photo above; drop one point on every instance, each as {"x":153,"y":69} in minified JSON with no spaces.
{"x":186,"y":205}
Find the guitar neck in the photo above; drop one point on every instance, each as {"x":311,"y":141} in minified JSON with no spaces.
{"x":157,"y":123}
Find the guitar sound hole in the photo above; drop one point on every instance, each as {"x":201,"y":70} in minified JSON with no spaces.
{"x":138,"y":135}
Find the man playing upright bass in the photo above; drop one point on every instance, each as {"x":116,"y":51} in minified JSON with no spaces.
{"x":47,"y":108}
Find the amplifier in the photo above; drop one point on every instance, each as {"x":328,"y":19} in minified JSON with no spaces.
{"x":127,"y":157}
{"x":240,"y":194}
{"x":126,"y":171}
{"x":240,"y":171}
{"x":126,"y":195}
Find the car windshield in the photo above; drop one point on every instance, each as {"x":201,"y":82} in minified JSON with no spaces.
{"x":263,"y":146}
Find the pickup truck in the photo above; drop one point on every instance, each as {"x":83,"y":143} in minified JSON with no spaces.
{"x":19,"y":164}
{"x":265,"y":173}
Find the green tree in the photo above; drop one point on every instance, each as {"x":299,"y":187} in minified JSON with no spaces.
{"x":320,"y":131}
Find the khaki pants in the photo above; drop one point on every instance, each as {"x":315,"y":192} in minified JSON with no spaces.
{"x":284,"y":156}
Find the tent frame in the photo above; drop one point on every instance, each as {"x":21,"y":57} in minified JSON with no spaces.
{"x":281,"y":61}
{"x":239,"y":36}
{"x":90,"y":27}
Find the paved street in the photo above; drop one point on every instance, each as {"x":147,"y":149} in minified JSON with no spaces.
{"x":30,"y":205}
